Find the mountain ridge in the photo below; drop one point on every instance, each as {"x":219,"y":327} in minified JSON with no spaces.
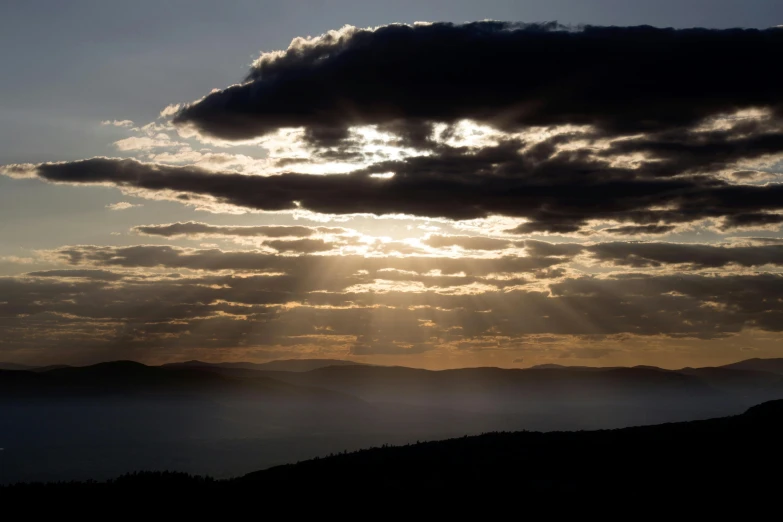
{"x":774,"y":365}
{"x":771,"y":365}
{"x":293,"y":365}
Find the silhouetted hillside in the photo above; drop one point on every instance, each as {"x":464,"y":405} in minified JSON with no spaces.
{"x":721,"y":453}
{"x":657,"y":463}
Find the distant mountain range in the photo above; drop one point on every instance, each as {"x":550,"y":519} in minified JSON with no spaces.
{"x":543,"y":397}
{"x":495,"y":389}
{"x":552,"y":397}
{"x":24,"y":367}
{"x":12,"y":366}
{"x":281,"y":365}
{"x":132,"y":379}
{"x":773,"y":365}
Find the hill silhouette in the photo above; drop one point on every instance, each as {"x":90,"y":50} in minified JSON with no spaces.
{"x":281,"y":365}
{"x":27,"y":367}
{"x":761,"y":365}
{"x":14,"y":366}
{"x":131,"y":378}
{"x":718,"y":452}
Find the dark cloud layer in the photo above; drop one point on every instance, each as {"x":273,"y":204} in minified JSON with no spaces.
{"x":539,"y":256}
{"x":98,"y":275}
{"x":654,"y":130}
{"x":558,"y":195}
{"x":619,"y":79}
{"x":751,"y":219}
{"x":658,"y":254}
{"x":303,"y":267}
{"x":192,"y":228}
{"x":696,"y":255}
{"x":303,"y":246}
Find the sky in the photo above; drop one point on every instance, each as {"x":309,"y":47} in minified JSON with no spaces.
{"x":430,"y":184}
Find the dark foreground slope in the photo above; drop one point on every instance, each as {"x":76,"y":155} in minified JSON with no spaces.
{"x":735,"y":452}
{"x":738,"y":456}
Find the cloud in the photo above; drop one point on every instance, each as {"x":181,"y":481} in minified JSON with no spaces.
{"x":639,"y":255}
{"x":118,"y":123}
{"x":467,"y":242}
{"x":586,"y":353}
{"x":557,"y":196}
{"x":148,"y":256}
{"x":170,"y":110}
{"x":123,"y":205}
{"x":198,"y":230}
{"x":143,"y":143}
{"x":376,"y":347}
{"x":635,"y":230}
{"x":751,"y":175}
{"x":17,"y":260}
{"x":509,"y":75}
{"x":752,"y":220}
{"x":760,"y":240}
{"x":544,"y":249}
{"x":302,"y":246}
{"x":98,"y":275}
